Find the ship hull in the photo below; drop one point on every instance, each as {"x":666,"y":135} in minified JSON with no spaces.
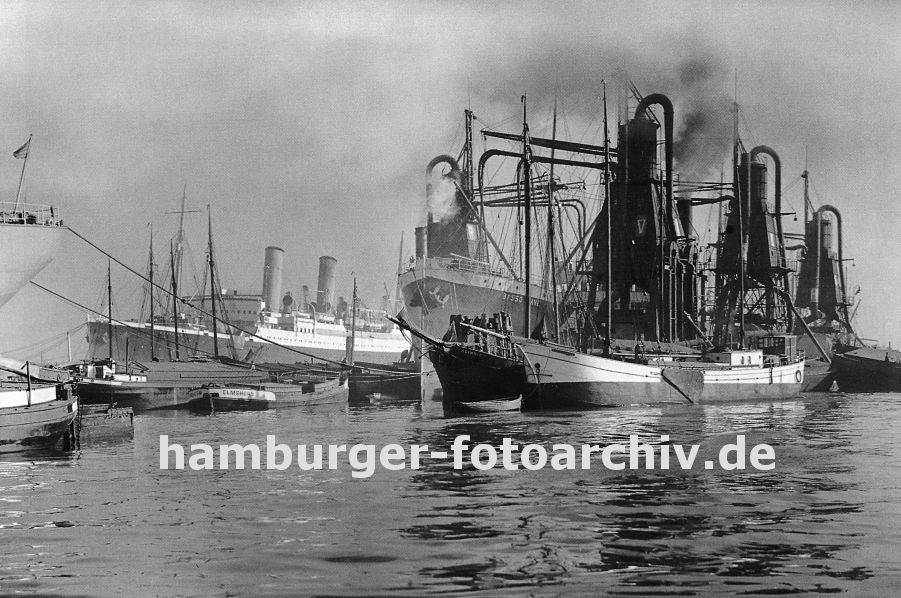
{"x":563,"y":379}
{"x":135,"y":336}
{"x":469,"y":376}
{"x":868,"y":370}
{"x":399,"y":380}
{"x":213,"y":398}
{"x":40,"y":425}
{"x":818,"y":376}
{"x":29,"y":248}
{"x":435,"y":289}
{"x":262,"y":352}
{"x":167,"y":385}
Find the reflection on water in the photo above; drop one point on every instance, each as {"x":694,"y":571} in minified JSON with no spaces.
{"x":106,"y":520}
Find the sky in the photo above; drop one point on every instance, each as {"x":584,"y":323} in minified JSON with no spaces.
{"x":308,"y":125}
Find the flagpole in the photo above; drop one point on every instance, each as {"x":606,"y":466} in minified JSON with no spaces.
{"x":22,"y":176}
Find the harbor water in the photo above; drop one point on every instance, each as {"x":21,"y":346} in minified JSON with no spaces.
{"x":106,"y":520}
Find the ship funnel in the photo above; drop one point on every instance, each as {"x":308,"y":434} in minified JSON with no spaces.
{"x":272,"y":279}
{"x":325,"y":291}
{"x":422,"y":242}
{"x":450,"y":221}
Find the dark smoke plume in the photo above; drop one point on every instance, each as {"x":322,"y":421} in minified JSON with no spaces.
{"x":704,"y":120}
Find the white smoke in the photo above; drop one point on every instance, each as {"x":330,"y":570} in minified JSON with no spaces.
{"x":442,"y":204}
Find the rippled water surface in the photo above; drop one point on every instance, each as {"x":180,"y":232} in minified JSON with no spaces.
{"x":106,"y":520}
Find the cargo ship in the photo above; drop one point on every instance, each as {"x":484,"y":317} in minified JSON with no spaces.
{"x":458,"y":266}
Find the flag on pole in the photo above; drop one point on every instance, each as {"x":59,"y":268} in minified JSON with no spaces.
{"x":22,"y":152}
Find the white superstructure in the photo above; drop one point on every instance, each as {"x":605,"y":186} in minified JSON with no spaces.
{"x":29,"y":239}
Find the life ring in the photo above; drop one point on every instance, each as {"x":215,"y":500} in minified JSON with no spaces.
{"x":798,"y":376}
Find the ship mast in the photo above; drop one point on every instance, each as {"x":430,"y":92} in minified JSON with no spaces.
{"x":178,"y":259}
{"x":19,"y":153}
{"x":527,"y":206}
{"x":400,"y":265}
{"x":109,"y":306}
{"x":212,"y":281}
{"x":608,"y":286}
{"x":150,"y":289}
{"x":180,"y":239}
{"x":551,"y":204}
{"x":174,"y":283}
{"x":804,"y":176}
{"x":353,"y":325}
{"x":741,"y":233}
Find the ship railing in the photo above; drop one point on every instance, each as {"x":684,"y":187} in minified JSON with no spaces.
{"x":36,"y":214}
{"x":487,"y":341}
{"x":465,"y":264}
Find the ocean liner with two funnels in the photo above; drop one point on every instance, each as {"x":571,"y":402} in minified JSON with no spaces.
{"x":272,"y":327}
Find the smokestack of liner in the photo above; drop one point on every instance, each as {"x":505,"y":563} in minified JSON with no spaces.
{"x":325,"y":291}
{"x":272,"y":278}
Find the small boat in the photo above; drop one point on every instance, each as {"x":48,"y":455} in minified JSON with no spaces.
{"x":268,"y":395}
{"x":399,"y":380}
{"x":514,"y":404}
{"x":34,"y":414}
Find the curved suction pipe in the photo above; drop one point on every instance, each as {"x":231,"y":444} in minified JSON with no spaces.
{"x":443,"y":158}
{"x":841,"y":263}
{"x":763,"y":149}
{"x":838,"y":221}
{"x":662,"y":100}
